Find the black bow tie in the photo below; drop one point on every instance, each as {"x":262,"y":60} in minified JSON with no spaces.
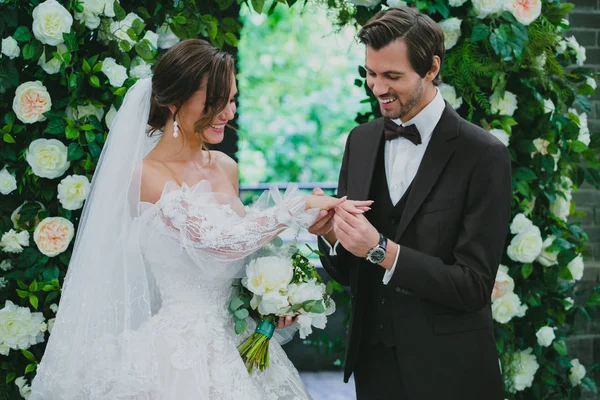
{"x":392,"y":130}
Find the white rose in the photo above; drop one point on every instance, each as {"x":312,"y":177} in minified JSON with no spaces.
{"x":570,"y":303}
{"x":508,"y":306}
{"x":110,"y":116}
{"x":547,"y":258}
{"x":451,"y":29}
{"x":268,"y":274}
{"x":505,"y":104}
{"x":13,"y":242}
{"x":545,"y":336}
{"x":520,"y":224}
{"x":501,"y":135}
{"x":8,"y":182}
{"x":526,"y":246}
{"x":140,"y":69}
{"x":31,"y":101}
{"x":73,"y":191}
{"x":549,"y":106}
{"x":19,"y":327}
{"x":540,"y":61}
{"x":47,"y":158}
{"x":576,"y":373}
{"x":109,"y":8}
{"x":6,"y":265}
{"x":483,"y":8}
{"x":576,"y":267}
{"x":53,"y":235}
{"x":273,"y":303}
{"x":449,"y":94}
{"x":10,"y":47}
{"x":457,"y":3}
{"x":591,"y":82}
{"x":300,"y":293}
{"x":166,"y":37}
{"x":117,"y":74}
{"x":504,"y":283}
{"x":50,"y":21}
{"x":3,"y":282}
{"x":525,"y":11}
{"x":561,"y":207}
{"x":521,"y":371}
{"x":119,"y":28}
{"x":152,"y":38}
{"x":92,"y":9}
{"x":52,"y":66}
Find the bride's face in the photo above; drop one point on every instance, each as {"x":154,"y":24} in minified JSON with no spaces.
{"x":193,"y":109}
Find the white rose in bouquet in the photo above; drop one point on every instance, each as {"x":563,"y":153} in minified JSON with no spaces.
{"x":268,"y":274}
{"x":273,"y":303}
{"x":520,"y":224}
{"x":306,"y":291}
{"x":50,"y":21}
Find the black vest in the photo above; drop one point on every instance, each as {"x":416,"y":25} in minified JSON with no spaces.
{"x":385,"y":217}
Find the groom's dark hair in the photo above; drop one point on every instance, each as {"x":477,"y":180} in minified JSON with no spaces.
{"x":422,"y":35}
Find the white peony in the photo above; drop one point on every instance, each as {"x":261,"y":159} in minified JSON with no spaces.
{"x":119,"y":28}
{"x":52,"y":66}
{"x":547,"y":258}
{"x":591,"y":82}
{"x":483,"y":8}
{"x":6,"y":265}
{"x":50,"y":21}
{"x":545,"y":336}
{"x":140,"y":69}
{"x":47,"y":158}
{"x":152,"y":38}
{"x":13,"y":242}
{"x":504,"y":283}
{"x":521,"y":370}
{"x":273,"y":303}
{"x":576,"y":373}
{"x":520,"y":224}
{"x":526,"y":246}
{"x":449,"y":94}
{"x":501,"y":135}
{"x":53,"y":235}
{"x":457,"y":3}
{"x":300,"y":293}
{"x":508,"y":306}
{"x":116,"y":74}
{"x":268,"y":274}
{"x":8,"y":182}
{"x":549,"y":106}
{"x":570,"y":303}
{"x":19,"y":327}
{"x":525,"y":11}
{"x":73,"y":191}
{"x":561,"y":207}
{"x":110,"y":116}
{"x":576,"y":267}
{"x":31,"y":101}
{"x":505,"y":104}
{"x":166,"y":37}
{"x":10,"y":47}
{"x":451,"y":29}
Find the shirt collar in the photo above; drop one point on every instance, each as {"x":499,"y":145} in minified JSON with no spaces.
{"x":429,"y":116}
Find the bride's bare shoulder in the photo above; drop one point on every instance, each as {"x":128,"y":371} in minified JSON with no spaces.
{"x":153,"y":179}
{"x":228,"y":166}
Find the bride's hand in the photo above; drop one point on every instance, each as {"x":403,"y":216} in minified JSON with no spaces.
{"x":322,"y":202}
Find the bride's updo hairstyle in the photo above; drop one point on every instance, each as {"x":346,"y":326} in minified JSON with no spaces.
{"x":178,"y":75}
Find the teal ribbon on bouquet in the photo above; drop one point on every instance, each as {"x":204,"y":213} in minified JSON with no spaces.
{"x":265,"y":327}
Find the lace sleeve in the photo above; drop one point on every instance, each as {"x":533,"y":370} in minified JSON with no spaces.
{"x":226,"y":231}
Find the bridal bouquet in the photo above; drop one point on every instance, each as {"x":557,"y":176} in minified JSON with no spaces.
{"x":282,"y":284}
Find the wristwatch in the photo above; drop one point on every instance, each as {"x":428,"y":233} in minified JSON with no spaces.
{"x":377,"y":253}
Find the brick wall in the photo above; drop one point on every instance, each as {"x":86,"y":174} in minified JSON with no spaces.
{"x":585,"y":26}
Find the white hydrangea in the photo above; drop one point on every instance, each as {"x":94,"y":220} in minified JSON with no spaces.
{"x":451,"y":29}
{"x":505,"y":104}
{"x":576,"y":373}
{"x":521,"y":370}
{"x":10,"y":47}
{"x":576,"y":267}
{"x":19,"y":327}
{"x":545,"y":336}
{"x":8,"y":182}
{"x":13,"y":242}
{"x":526,"y":246}
{"x":449,"y":94}
{"x":507,"y":307}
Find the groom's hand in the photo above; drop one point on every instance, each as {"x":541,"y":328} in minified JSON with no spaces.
{"x":354,"y":232}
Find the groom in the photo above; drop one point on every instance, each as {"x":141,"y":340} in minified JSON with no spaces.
{"x":421,"y":264}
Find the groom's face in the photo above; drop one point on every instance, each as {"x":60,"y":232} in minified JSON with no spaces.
{"x":397,"y":86}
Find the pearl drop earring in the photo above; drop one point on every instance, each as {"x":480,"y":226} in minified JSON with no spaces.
{"x":175,"y":128}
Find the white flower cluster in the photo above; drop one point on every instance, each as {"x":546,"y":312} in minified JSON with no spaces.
{"x":19,"y":328}
{"x":571,"y":44}
{"x":520,"y":370}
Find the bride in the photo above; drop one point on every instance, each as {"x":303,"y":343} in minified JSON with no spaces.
{"x":143,"y":313}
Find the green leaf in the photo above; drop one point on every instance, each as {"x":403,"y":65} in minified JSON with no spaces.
{"x":588,"y":384}
{"x":258,"y":5}
{"x":34,"y":301}
{"x":560,"y":347}
{"x":29,"y":355}
{"x":8,"y":138}
{"x":329,"y":288}
{"x":526,"y":270}
{"x":48,"y":288}
{"x":86,"y":67}
{"x":240,"y":326}
{"x":94,"y":81}
{"x":30,"y":368}
{"x":22,"y":293}
{"x":231,"y":39}
{"x":120,"y":13}
{"x":95,"y":150}
{"x":578,"y":147}
{"x":120,"y":91}
{"x":34,"y":286}
{"x":75,"y":152}
{"x":89,"y":136}
{"x":565,"y":274}
{"x":125,"y":46}
{"x":56,"y":126}
{"x":22,"y":285}
{"x":525,"y":174}
{"x":180,"y":19}
{"x":28,"y":51}
{"x":71,"y":132}
{"x":235,"y":303}
{"x":143,"y":49}
{"x":22,"y":34}
{"x":10,"y":377}
{"x":71,"y":41}
{"x":480,"y":32}
{"x":242,"y":313}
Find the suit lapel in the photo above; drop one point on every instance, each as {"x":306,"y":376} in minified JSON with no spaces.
{"x":435,"y":158}
{"x":364,"y":155}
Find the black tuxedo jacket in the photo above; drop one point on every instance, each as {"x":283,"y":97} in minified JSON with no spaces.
{"x":451,"y":235}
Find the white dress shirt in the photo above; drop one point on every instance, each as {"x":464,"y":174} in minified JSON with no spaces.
{"x":402,"y":159}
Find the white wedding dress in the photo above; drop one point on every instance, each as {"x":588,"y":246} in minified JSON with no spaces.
{"x":193,"y":242}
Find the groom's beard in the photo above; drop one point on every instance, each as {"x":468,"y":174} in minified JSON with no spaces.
{"x":404,"y":106}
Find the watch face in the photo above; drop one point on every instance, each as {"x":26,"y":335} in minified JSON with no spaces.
{"x":377,"y":255}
